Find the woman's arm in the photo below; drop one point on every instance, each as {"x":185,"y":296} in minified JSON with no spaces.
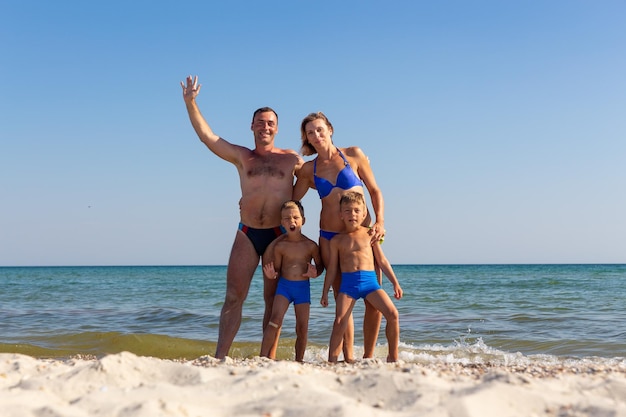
{"x":364,"y":171}
{"x":304,"y":181}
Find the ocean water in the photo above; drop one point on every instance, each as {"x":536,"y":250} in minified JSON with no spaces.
{"x":453,"y":313}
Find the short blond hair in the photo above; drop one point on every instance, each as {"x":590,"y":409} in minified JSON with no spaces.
{"x":352,"y":197}
{"x":291,"y":204}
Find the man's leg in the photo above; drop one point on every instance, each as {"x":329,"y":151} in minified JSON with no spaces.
{"x":241,"y":267}
{"x":269,"y":291}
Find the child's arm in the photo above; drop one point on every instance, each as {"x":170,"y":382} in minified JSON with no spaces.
{"x":387,"y":269}
{"x":316,"y":271}
{"x":331,"y":271}
{"x":268,"y":256}
{"x":271,"y":270}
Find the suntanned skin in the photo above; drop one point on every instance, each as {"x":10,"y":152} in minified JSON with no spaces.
{"x":349,"y":252}
{"x":329,"y":164}
{"x":266,"y":176}
{"x":292,"y":257}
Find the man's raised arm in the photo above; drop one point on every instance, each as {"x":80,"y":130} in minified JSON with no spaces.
{"x":216,"y":144}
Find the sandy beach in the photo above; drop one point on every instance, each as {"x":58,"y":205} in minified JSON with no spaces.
{"x":128,"y":385}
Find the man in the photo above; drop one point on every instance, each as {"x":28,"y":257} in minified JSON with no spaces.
{"x":266,"y":176}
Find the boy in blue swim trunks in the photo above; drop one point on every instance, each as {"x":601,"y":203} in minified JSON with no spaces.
{"x":353,"y":253}
{"x":292,"y":263}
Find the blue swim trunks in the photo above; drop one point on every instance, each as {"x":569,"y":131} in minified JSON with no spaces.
{"x":297,"y":292}
{"x":359,"y":284}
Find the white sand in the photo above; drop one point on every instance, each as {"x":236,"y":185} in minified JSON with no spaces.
{"x":128,"y":385}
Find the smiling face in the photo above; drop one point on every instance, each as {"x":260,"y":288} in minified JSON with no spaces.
{"x":352,"y":210}
{"x":353,"y":215}
{"x":264,"y":126}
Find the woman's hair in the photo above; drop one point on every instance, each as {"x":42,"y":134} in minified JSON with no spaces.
{"x":308,"y":149}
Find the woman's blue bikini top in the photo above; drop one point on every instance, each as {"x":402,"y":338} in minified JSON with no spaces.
{"x":346,"y":179}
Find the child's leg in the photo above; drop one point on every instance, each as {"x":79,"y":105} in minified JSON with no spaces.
{"x":272,"y":330}
{"x":302,"y":329}
{"x":348,"y":335}
{"x":348,"y":339}
{"x":383,"y":303}
{"x":343,"y":315}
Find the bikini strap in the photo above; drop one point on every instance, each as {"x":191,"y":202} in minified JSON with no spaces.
{"x":345,"y":161}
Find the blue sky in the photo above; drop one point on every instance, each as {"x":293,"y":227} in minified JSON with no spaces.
{"x":496,"y":129}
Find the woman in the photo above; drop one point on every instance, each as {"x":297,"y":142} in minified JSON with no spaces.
{"x":333,"y":172}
